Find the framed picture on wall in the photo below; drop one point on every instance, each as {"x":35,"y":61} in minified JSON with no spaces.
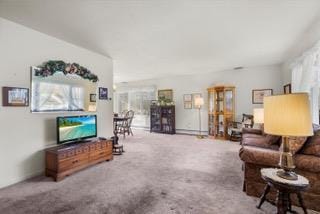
{"x":187,"y":98}
{"x":187,"y":105}
{"x":166,"y":94}
{"x":259,"y":94}
{"x":287,"y":89}
{"x":194,"y":97}
{"x":103,"y":93}
{"x":14,"y":96}
{"x":93,"y":98}
{"x":187,"y":101}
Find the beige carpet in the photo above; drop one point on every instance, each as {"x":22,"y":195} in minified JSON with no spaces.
{"x":158,"y":174}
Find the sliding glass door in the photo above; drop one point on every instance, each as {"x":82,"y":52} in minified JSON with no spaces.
{"x":137,"y":99}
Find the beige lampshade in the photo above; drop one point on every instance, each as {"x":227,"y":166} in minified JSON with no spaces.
{"x":198,"y":101}
{"x":258,"y":115}
{"x":288,"y":115}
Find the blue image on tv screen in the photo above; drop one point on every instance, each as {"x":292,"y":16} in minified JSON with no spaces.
{"x":72,"y":128}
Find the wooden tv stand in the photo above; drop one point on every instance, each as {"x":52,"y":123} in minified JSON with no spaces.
{"x":64,"y":160}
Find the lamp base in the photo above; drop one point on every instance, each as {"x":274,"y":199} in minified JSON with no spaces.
{"x":286,"y":162}
{"x":289,"y":175}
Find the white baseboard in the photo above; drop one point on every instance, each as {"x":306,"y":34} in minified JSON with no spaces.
{"x":22,"y":179}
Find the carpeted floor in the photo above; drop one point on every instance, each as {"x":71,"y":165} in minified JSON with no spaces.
{"x":158,"y":174}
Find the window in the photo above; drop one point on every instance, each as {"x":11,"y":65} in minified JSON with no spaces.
{"x":137,"y":99}
{"x":57,"y":97}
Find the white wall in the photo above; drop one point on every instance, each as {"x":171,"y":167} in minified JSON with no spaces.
{"x":24,"y":135}
{"x":245,"y":80}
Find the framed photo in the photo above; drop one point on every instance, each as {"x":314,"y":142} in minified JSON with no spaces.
{"x":93,"y":98}
{"x":194,"y":97}
{"x":287,"y":89}
{"x":166,"y":94}
{"x":187,"y":105}
{"x":259,"y":94}
{"x":103,"y":93}
{"x":187,"y":98}
{"x":14,"y":96}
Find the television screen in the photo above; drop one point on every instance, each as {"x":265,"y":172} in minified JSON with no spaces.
{"x":76,"y":128}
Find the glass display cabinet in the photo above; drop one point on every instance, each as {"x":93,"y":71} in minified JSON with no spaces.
{"x":221,"y":110}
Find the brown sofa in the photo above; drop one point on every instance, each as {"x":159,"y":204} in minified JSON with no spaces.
{"x":260,"y":151}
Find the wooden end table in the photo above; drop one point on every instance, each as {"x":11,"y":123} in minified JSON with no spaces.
{"x":284,"y":188}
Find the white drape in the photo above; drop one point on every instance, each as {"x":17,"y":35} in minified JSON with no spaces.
{"x":77,"y":97}
{"x":305,"y":78}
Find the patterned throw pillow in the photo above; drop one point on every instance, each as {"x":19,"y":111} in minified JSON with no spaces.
{"x":295,"y":144}
{"x":312,"y":146}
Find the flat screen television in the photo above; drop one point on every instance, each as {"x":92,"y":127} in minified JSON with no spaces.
{"x":76,"y":128}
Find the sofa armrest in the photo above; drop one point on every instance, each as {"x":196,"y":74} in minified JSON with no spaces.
{"x":251,"y":131}
{"x":260,"y":156}
{"x":308,"y":163}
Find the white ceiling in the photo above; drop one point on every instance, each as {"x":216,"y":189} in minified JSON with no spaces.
{"x":149,"y":39}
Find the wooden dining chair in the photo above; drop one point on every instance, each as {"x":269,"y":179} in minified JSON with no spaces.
{"x":124,"y":126}
{"x":130,"y":116}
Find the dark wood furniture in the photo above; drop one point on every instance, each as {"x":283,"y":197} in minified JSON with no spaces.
{"x":284,"y":189}
{"x":64,"y":160}
{"x":162,"y":119}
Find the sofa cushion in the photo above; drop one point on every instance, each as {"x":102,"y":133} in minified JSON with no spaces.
{"x":267,"y":157}
{"x":258,"y":141}
{"x":251,"y":131}
{"x":260,"y":156}
{"x":312,"y":146}
{"x":272,"y":139}
{"x":307,"y":162}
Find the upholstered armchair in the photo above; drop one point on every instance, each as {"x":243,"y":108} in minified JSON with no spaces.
{"x":235,"y":128}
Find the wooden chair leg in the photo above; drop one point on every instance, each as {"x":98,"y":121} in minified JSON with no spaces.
{"x":302,"y":203}
{"x":264,"y":195}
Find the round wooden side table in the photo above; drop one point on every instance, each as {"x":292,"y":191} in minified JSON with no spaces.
{"x":284,"y":188}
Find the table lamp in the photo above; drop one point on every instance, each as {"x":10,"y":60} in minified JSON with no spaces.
{"x":198,"y":102}
{"x":258,"y":116}
{"x":288,"y":116}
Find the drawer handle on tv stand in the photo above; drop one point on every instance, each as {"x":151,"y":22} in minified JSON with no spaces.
{"x":75,"y":161}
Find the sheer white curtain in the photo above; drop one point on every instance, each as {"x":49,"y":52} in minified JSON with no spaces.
{"x":305,"y":78}
{"x":77,"y":98}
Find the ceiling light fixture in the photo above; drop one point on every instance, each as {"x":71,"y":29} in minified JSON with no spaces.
{"x":238,"y":68}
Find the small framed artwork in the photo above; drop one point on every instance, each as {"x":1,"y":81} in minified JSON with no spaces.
{"x":187,"y":98}
{"x":259,"y":94}
{"x":287,"y":89}
{"x":93,"y":98}
{"x":165,"y":94}
{"x":187,"y":101}
{"x":14,"y":96}
{"x":103,"y":93}
{"x":187,"y":105}
{"x":194,"y":97}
